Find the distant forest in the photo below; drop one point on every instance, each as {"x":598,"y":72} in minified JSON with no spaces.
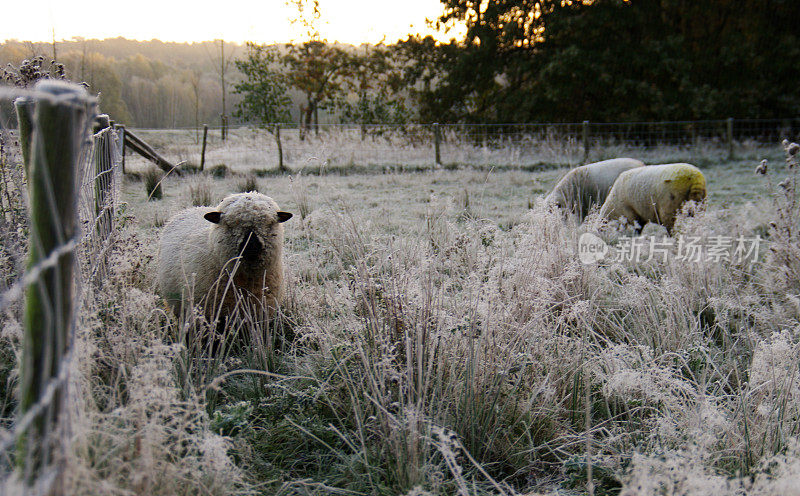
{"x":143,"y":83}
{"x":521,"y":61}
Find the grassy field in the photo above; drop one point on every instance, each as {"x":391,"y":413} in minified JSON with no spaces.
{"x":440,"y":336}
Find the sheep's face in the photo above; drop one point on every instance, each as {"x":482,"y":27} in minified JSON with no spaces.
{"x":697,"y":194}
{"x":687,"y":185}
{"x":249,"y":226}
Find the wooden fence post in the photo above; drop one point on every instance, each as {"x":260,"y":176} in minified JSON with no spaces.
{"x":437,"y":138}
{"x":24,"y":107}
{"x":121,"y":138}
{"x":60,"y":131}
{"x":730,"y":138}
{"x":203,"y":151}
{"x":585,"y":129}
{"x":103,"y":161}
{"x":277,"y":134}
{"x":137,"y":145}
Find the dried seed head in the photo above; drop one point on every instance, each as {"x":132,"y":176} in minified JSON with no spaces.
{"x":792,"y":149}
{"x":762,"y":167}
{"x":785,"y":184}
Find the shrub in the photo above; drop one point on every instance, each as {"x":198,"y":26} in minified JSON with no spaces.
{"x":247,"y":184}
{"x":219,"y":171}
{"x":190,"y":168}
{"x":152,"y":178}
{"x":200,"y":192}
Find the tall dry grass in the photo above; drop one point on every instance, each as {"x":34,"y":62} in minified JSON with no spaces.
{"x":427,"y":348}
{"x":460,"y":358}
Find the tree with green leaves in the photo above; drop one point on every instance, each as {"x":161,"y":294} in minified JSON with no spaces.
{"x":614,"y":60}
{"x":374,"y":87}
{"x":318,"y":70}
{"x":425,"y":69}
{"x":314,"y":67}
{"x":264,"y":99}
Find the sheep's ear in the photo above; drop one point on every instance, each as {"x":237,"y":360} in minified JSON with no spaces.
{"x":284,"y":216}
{"x":213,"y":217}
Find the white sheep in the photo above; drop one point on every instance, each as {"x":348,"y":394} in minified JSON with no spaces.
{"x":588,"y":185}
{"x":205,"y":252}
{"x":654,"y":194}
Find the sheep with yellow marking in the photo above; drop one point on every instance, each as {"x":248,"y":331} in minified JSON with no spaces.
{"x":588,"y":185}
{"x":654,"y":194}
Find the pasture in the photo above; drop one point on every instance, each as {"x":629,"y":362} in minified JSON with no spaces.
{"x":441,"y":336}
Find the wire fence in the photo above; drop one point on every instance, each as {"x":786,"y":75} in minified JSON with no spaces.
{"x":341,"y":146}
{"x":59,"y":184}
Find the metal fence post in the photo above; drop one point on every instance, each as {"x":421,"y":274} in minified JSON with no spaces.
{"x":60,"y":130}
{"x":437,"y":137}
{"x":730,"y":138}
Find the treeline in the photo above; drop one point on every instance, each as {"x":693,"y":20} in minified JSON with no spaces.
{"x":142,"y":83}
{"x":521,"y":61}
{"x":616,"y":60}
{"x":557,"y":61}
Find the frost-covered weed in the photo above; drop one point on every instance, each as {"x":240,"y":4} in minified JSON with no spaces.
{"x":135,"y":431}
{"x":784,"y":227}
{"x":199,"y":192}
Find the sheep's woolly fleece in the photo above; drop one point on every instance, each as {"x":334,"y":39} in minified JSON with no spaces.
{"x":203,"y":249}
{"x":583,"y":187}
{"x":654,"y":193}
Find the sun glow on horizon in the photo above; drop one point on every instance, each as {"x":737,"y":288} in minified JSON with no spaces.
{"x":346,"y":21}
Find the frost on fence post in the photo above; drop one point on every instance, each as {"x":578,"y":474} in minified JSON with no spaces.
{"x":24,"y":108}
{"x":103,"y":156}
{"x":121,"y":145}
{"x":59,"y":131}
{"x":103,"y":165}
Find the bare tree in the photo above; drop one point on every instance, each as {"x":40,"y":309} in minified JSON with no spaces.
{"x":222,"y":65}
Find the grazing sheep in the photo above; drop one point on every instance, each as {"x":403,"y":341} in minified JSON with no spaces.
{"x":589,"y":185}
{"x":205,"y":251}
{"x":654,"y":193}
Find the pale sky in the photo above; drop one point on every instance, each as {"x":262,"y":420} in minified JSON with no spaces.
{"x":265,"y":21}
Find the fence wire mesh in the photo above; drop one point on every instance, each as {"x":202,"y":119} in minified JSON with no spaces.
{"x":409,"y":146}
{"x":97,"y":192}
